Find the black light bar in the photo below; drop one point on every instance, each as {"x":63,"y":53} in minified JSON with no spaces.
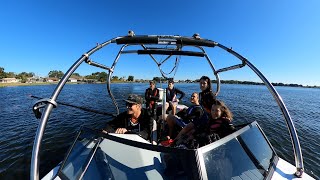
{"x":196,"y":42}
{"x":171,"y":52}
{"x":138,"y":40}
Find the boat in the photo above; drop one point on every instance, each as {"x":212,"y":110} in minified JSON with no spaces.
{"x":244,"y":154}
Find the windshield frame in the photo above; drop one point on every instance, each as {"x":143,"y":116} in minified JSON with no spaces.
{"x":198,"y":153}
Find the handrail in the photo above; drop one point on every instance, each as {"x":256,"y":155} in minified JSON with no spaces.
{"x":35,"y":159}
{"x":285,"y":112}
{"x":292,"y":131}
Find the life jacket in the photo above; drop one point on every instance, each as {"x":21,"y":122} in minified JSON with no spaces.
{"x":221,"y":126}
{"x":151,"y":103}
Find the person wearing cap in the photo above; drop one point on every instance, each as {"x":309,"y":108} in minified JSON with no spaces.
{"x":136,"y":120}
{"x":151,"y":96}
{"x":171,"y":96}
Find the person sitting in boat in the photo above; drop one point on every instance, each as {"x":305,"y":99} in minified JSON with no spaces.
{"x":185,"y":116}
{"x":197,"y":133}
{"x":221,"y":120}
{"x":206,"y":96}
{"x":136,"y":120}
{"x":206,"y":99}
{"x":151,"y":96}
{"x":171,"y":97}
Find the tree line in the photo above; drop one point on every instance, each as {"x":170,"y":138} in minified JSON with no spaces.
{"x":102,"y":77}
{"x":23,"y":76}
{"x":98,"y":76}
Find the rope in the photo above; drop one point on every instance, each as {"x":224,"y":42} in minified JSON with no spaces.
{"x":79,"y":107}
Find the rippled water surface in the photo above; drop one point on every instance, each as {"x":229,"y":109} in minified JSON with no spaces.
{"x":18,"y":124}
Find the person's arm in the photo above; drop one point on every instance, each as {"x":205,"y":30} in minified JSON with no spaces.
{"x":228,"y":125}
{"x":182,"y":94}
{"x":155,"y":97}
{"x":110,"y":127}
{"x":117,"y":122}
{"x":146,"y":95}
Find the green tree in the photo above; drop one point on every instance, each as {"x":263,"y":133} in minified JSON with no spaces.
{"x":102,"y":76}
{"x":92,"y":76}
{"x":56,"y":74}
{"x":2,"y":73}
{"x":130,"y":78}
{"x":10,"y":75}
{"x":24,"y":76}
{"x":76,"y":74}
{"x":115,"y":78}
{"x":158,"y":79}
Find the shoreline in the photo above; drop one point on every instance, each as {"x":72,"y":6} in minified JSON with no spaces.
{"x":23,"y":84}
{"x":3,"y":85}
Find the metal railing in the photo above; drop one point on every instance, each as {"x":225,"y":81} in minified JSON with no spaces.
{"x":180,"y":42}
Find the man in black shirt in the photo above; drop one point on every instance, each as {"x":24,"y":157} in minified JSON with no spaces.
{"x":135,"y":120}
{"x":193,"y":113}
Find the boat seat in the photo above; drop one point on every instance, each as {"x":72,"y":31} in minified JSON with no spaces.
{"x":154,"y":133}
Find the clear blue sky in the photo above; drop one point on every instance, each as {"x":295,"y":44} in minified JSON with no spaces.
{"x":281,"y":38}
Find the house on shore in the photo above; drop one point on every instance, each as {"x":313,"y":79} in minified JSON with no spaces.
{"x":73,"y":80}
{"x":52,"y":79}
{"x":9,"y":80}
{"x":35,"y":79}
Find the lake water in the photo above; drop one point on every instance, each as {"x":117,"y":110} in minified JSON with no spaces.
{"x":248,"y":103}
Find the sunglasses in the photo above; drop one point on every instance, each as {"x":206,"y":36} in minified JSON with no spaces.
{"x":129,"y":105}
{"x":193,"y":97}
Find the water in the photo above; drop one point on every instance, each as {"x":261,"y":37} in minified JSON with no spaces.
{"x":18,"y":124}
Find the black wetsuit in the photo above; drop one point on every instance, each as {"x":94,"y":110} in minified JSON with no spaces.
{"x":143,"y":128}
{"x":173,"y":92}
{"x":207,"y":99}
{"x":192,"y":114}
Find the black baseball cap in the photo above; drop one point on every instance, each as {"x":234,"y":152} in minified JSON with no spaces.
{"x":135,"y":99}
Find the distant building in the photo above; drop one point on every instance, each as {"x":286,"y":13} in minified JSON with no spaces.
{"x":35,"y":79}
{"x":73,"y":80}
{"x":9,"y":80}
{"x":51,"y":79}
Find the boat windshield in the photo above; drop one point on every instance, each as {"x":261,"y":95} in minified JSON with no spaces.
{"x":245,"y":154}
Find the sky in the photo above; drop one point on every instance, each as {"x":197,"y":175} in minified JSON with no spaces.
{"x":281,"y":38}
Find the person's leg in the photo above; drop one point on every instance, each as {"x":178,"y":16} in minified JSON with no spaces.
{"x":189,"y":127}
{"x":174,"y":108}
{"x":153,"y":109}
{"x":190,"y":134}
{"x":167,"y":106}
{"x":171,"y":120}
